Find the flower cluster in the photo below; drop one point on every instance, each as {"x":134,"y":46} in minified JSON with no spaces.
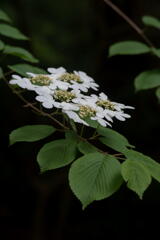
{"x":69,"y":92}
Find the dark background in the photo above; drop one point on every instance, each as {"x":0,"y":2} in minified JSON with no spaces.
{"x":77,"y":34}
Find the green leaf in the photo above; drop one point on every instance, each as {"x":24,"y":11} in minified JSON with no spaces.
{"x":22,"y":69}
{"x":158,"y":93}
{"x":136,"y":176}
{"x":86,"y":147}
{"x":56,"y":154}
{"x":147,"y":80}
{"x":1,"y":73}
{"x":94,"y":177}
{"x":11,"y":32}
{"x":20,"y":52}
{"x":1,"y":45}
{"x":71,"y":135}
{"x":4,"y":16}
{"x":128,"y":48}
{"x":113,"y":139}
{"x":73,"y":125}
{"x":156,"y":52}
{"x":30,"y":133}
{"x":92,"y":123}
{"x":151,"y":21}
{"x":152,"y":166}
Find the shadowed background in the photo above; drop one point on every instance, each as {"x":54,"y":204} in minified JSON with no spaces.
{"x":76,"y":35}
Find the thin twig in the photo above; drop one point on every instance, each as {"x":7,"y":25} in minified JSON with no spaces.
{"x":8,"y":73}
{"x":118,"y":154}
{"x":130,"y":22}
{"x":82,"y":130}
{"x":94,"y":137}
{"x":39,"y":111}
{"x":28,"y":104}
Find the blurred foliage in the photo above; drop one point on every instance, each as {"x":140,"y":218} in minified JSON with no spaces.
{"x":62,"y":32}
{"x":77,"y":34}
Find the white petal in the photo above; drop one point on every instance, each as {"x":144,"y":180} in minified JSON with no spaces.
{"x":43,"y":90}
{"x":47,"y":104}
{"x":56,"y":104}
{"x":129,"y":107}
{"x":109,"y":112}
{"x":83,"y":88}
{"x":75,"y":117}
{"x":103,"y":96}
{"x":126,"y":115}
{"x":119,"y":117}
{"x":94,"y":88}
{"x":31,"y":74}
{"x":45,"y":98}
{"x":94,"y":97}
{"x":69,"y":106}
{"x":108,"y":118}
{"x":20,"y":83}
{"x":52,"y":86}
{"x":62,"y":85}
{"x":56,"y":70}
{"x":102,"y":122}
{"x":16,"y":77}
{"x":13,"y":81}
{"x":40,"y":98}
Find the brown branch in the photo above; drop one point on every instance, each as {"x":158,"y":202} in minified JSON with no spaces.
{"x":130,"y":22}
{"x":39,"y":111}
{"x":28,"y":104}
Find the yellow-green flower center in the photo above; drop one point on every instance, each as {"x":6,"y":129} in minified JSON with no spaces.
{"x":41,"y":80}
{"x":64,"y":96}
{"x":86,"y":111}
{"x":106,"y":104}
{"x":68,"y":77}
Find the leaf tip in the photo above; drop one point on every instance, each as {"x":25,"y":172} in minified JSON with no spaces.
{"x":110,"y":54}
{"x":140,"y":195}
{"x":11,"y":142}
{"x":84,"y":205}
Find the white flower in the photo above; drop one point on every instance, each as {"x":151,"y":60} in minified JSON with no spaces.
{"x":117,"y":106}
{"x":21,"y":82}
{"x":76,"y":80}
{"x":89,"y":108}
{"x":100,"y":115}
{"x":69,"y":106}
{"x":60,"y":99}
{"x":42,"y":84}
{"x":59,"y":85}
{"x":74,"y":116}
{"x":48,"y":101}
{"x":43,"y":90}
{"x":85,"y":82}
{"x":120,"y":106}
{"x":110,"y":109}
{"x":58,"y":78}
{"x":52,"y":83}
{"x":120,"y":115}
{"x":63,"y":90}
{"x":54,"y":71}
{"x":101,"y":121}
{"x":36,"y":82}
{"x":85,"y":100}
{"x":66,"y":95}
